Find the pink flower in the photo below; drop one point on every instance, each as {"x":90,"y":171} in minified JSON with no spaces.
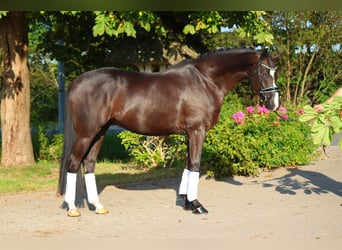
{"x":239,"y":117}
{"x":250,"y":109}
{"x":262,"y":110}
{"x":283,"y":110}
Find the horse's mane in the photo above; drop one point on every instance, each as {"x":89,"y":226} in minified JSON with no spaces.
{"x":228,"y":50}
{"x":190,"y":62}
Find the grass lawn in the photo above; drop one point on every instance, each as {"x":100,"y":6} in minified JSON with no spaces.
{"x":44,"y":176}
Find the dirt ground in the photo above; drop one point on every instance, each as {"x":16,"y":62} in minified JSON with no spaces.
{"x":288,"y":203}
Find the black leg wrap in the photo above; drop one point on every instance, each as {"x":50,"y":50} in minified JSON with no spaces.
{"x":193,"y":206}
{"x":188,"y":205}
{"x":195,"y":167}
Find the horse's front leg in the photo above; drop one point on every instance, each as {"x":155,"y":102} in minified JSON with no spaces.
{"x":190,"y":178}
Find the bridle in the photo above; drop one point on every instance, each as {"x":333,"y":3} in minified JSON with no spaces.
{"x":264,"y":91}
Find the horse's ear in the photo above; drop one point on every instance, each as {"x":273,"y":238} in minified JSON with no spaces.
{"x":264,"y":52}
{"x":274,"y":58}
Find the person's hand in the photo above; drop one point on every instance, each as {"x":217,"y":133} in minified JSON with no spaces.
{"x":318,"y":107}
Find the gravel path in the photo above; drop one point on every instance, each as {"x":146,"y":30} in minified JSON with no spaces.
{"x":288,"y":203}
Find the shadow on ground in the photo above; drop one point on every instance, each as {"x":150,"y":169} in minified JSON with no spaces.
{"x":298,"y":180}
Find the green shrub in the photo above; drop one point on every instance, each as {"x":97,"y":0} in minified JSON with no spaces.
{"x":112,"y":149}
{"x":50,"y":147}
{"x":247,"y":140}
{"x":154,"y":151}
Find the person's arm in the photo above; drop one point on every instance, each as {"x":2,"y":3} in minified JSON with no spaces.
{"x":319,"y":107}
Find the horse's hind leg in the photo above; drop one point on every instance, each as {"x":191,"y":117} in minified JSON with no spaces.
{"x":79,"y":149}
{"x":90,"y":181}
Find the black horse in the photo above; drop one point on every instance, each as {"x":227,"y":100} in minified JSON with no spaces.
{"x":185,"y":99}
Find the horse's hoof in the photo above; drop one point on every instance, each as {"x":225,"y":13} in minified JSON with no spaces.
{"x":200,"y":210}
{"x":194,"y":206}
{"x":101,"y":211}
{"x":74,"y":213}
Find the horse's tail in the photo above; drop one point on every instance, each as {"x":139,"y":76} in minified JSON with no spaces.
{"x":69,"y":139}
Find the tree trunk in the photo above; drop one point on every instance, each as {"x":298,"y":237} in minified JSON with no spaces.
{"x":307,"y":70}
{"x":17,"y":147}
{"x":289,"y":69}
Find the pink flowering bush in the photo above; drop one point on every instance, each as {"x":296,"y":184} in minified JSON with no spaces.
{"x":283,"y":113}
{"x":262,"y":110}
{"x":249,"y":138}
{"x":250,"y":110}
{"x":238,"y":117}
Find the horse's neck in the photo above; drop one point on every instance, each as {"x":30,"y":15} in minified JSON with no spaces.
{"x":226,"y":71}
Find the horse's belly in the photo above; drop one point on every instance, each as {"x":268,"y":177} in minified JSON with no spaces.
{"x":152,"y":122}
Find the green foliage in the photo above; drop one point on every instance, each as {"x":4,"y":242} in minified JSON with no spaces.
{"x":112,"y":149}
{"x":50,"y":147}
{"x":154,"y":151}
{"x":310,"y":64}
{"x":189,"y":29}
{"x":43,"y":79}
{"x":257,"y":141}
{"x":325,"y":90}
{"x":254,"y":25}
{"x":209,"y":21}
{"x":326,"y":123}
{"x":300,"y":35}
{"x":44,"y":93}
{"x":3,"y":13}
{"x":251,"y":24}
{"x":80,"y":50}
{"x":117,"y":23}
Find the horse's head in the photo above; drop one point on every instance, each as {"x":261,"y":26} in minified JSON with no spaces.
{"x":264,"y":79}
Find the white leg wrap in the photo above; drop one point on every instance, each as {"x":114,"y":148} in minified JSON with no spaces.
{"x":193,"y":185}
{"x":92,"y":190}
{"x":70,"y":190}
{"x":183,"y":188}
